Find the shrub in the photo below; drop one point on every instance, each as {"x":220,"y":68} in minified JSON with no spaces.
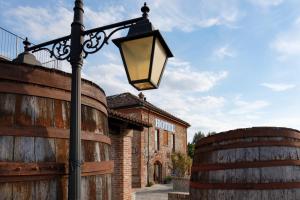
{"x":150,"y":184}
{"x":167,"y":179}
{"x":181,"y":164}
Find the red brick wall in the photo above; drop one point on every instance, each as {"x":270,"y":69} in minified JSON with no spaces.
{"x":136,"y":159}
{"x":121,"y":154}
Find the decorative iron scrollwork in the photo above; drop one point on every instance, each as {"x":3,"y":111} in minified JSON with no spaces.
{"x":94,"y":42}
{"x":60,"y":50}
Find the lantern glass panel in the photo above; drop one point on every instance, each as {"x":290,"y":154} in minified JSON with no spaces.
{"x":159,"y":59}
{"x":143,"y":86}
{"x":137,"y":55}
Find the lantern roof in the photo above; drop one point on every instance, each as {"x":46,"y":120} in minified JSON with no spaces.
{"x":143,"y":29}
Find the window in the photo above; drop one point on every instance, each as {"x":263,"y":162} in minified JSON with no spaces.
{"x":166,"y":142}
{"x":173,"y":142}
{"x":156,"y":138}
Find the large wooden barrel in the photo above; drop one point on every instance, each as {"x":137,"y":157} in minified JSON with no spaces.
{"x":34,"y":135}
{"x":259,"y":163}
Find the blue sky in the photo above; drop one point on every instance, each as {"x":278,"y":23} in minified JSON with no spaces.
{"x":236,"y":62}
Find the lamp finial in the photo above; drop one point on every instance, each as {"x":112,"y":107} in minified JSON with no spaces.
{"x":145,"y":9}
{"x":26,"y":44}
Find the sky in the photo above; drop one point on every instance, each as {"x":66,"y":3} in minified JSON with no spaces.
{"x":236,"y":62}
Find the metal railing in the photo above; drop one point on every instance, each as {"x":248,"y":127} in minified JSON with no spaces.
{"x":11,"y":45}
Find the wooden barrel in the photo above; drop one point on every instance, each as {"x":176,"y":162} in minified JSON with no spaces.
{"x":255,"y":163}
{"x":34,"y":135}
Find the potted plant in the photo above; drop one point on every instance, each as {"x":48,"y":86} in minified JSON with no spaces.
{"x":181,"y":165}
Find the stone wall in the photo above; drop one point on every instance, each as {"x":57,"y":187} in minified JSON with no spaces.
{"x":181,"y":184}
{"x":178,"y":196}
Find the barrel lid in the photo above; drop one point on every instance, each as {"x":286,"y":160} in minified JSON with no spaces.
{"x":250,"y":132}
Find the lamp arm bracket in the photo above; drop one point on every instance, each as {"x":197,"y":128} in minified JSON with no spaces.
{"x":96,"y":38}
{"x":60,"y":50}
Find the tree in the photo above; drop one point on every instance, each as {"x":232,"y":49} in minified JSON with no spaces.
{"x":211,"y":133}
{"x":197,"y":137}
{"x":191,"y":146}
{"x":190,"y":149}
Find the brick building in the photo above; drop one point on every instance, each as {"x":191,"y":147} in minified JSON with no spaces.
{"x":121,"y":129}
{"x":167,"y":134}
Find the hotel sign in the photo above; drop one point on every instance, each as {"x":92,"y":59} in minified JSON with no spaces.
{"x":164,"y":125}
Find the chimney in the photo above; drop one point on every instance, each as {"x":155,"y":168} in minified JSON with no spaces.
{"x":142,"y":96}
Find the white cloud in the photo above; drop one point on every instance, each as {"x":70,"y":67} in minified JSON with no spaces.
{"x":251,"y":108}
{"x":241,"y":114}
{"x":96,"y":18}
{"x":284,"y":121}
{"x":266,"y":3}
{"x":40,"y":23}
{"x":287,"y":43}
{"x":183,"y":104}
{"x":180,"y":76}
{"x":223,"y":52}
{"x":278,"y":87}
{"x":111,"y":77}
{"x":201,"y":111}
{"x":112,"y":57}
{"x":176,"y":14}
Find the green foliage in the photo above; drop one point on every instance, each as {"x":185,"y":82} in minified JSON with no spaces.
{"x":191,"y":146}
{"x":167,"y":179}
{"x":197,"y":137}
{"x":181,"y":163}
{"x":149,"y":184}
{"x":211,"y":133}
{"x":191,"y":149}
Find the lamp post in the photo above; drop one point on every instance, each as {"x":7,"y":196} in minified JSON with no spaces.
{"x":144,"y":54}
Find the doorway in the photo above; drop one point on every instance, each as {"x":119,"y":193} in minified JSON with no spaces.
{"x":157,"y":175}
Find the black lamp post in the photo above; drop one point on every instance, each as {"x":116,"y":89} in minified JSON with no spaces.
{"x":144,"y":54}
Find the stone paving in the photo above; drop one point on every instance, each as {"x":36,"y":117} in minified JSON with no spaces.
{"x":156,"y":192}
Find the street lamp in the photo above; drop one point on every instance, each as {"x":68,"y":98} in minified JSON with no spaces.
{"x":144,"y":54}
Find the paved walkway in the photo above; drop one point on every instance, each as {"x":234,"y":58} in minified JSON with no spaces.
{"x":156,"y":192}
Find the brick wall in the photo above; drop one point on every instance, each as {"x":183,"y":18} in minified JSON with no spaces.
{"x":163,"y":155}
{"x":140,"y":146}
{"x":136,"y":159}
{"x":121,"y":154}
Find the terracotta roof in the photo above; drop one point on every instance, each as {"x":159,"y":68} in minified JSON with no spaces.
{"x":132,"y":120}
{"x":127,"y":100}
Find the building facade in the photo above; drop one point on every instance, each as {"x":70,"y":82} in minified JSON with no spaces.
{"x":121,"y":129}
{"x":151,"y":148}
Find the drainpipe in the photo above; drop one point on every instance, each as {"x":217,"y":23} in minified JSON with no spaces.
{"x":143,"y":98}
